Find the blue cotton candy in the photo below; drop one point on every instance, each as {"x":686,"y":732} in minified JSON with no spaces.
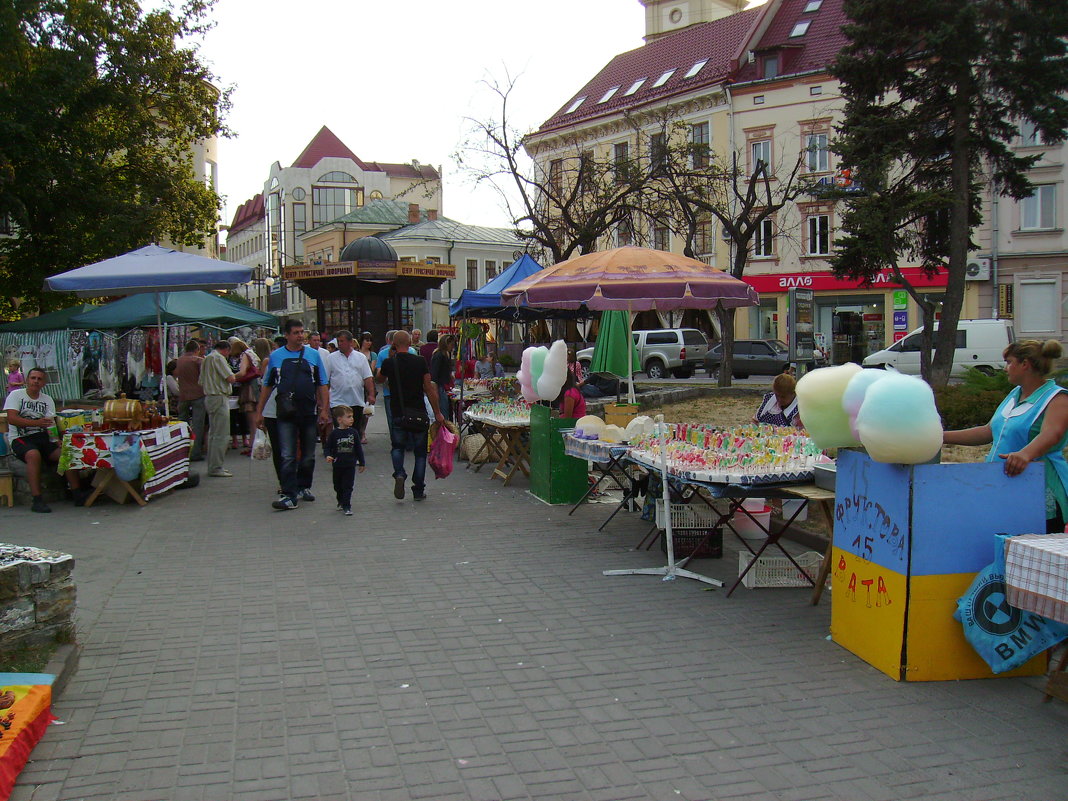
{"x":854,"y":394}
{"x":898,"y":422}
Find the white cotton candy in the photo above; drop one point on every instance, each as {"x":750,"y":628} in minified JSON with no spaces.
{"x":898,"y":421}
{"x":819,"y":401}
{"x":639,"y":426}
{"x":553,"y":372}
{"x":854,"y":394}
{"x":590,"y":424}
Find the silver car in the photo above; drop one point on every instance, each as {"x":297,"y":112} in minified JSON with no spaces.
{"x":679,"y":351}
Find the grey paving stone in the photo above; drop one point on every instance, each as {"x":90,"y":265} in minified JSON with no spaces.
{"x":233,"y":653}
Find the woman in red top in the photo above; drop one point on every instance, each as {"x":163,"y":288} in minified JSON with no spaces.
{"x":571,"y":402}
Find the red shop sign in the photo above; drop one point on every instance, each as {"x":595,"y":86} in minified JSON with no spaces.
{"x":827,"y":282}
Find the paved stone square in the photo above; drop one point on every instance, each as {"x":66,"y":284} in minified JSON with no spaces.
{"x":467,"y":648}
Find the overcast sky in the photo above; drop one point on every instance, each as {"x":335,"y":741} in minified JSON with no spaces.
{"x":395,"y":81}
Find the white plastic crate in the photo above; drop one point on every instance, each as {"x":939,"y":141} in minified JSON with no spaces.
{"x":687,"y":515}
{"x":778,"y":571}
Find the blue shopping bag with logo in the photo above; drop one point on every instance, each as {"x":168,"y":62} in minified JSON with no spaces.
{"x":1004,"y":636}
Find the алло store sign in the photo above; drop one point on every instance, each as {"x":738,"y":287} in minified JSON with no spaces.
{"x":771,"y":283}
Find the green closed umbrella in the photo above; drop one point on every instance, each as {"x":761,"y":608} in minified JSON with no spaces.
{"x":614,"y":345}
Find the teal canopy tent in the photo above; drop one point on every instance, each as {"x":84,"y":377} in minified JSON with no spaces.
{"x":176,"y":308}
{"x":53,"y":321}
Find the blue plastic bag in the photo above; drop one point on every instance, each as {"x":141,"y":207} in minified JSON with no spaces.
{"x":1004,"y":636}
{"x":126,"y":455}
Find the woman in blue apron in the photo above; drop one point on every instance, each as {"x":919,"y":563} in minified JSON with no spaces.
{"x":779,"y":407}
{"x":1030,"y":425}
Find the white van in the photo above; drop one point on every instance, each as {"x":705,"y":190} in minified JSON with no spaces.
{"x":980,"y":344}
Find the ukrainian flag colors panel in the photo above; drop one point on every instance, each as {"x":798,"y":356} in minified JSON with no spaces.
{"x":868,"y":610}
{"x":935,"y":648}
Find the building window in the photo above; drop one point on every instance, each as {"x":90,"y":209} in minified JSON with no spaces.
{"x":1030,"y":136}
{"x":661,"y":238}
{"x":819,"y":235}
{"x":634,"y":87}
{"x":696,"y":68}
{"x":1039,"y":306}
{"x":763,"y":241}
{"x":621,"y":159}
{"x":760,"y":153}
{"x":491,"y":270}
{"x":771,"y":66}
{"x":815,"y":91}
{"x":574,"y":106}
{"x":818,"y":156}
{"x":1039,"y":212}
{"x":337,"y":177}
{"x":663,"y":78}
{"x":376,"y":195}
{"x":472,"y":274}
{"x":624,"y":234}
{"x":300,"y":218}
{"x":608,"y":95}
{"x":812,"y":5}
{"x":801,"y":28}
{"x":331,"y":202}
{"x":758,"y":100}
{"x":704,"y":237}
{"x":556,"y":176}
{"x":699,"y":141}
{"x":657,"y":154}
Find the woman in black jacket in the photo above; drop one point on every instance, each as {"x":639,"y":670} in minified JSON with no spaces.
{"x":441,"y":364}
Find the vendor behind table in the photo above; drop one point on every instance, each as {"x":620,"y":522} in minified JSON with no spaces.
{"x":1030,"y":425}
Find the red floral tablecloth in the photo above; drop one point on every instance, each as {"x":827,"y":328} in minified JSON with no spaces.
{"x":167,"y":448}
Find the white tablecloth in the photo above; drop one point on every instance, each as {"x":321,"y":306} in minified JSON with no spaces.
{"x":1036,"y":574}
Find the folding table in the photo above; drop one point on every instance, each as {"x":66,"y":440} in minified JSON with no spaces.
{"x":508,"y":440}
{"x":605,"y":457}
{"x":1036,"y":580}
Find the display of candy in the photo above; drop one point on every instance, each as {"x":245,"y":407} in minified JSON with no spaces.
{"x":506,"y":412}
{"x":745,"y":454}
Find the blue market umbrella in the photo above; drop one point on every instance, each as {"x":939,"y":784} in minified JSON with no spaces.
{"x":150,"y":269}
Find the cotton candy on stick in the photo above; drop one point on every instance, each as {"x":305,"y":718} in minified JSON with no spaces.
{"x":554,"y":371}
{"x":855,"y":390}
{"x":819,"y":401}
{"x":526,"y":385}
{"x":898,"y":421}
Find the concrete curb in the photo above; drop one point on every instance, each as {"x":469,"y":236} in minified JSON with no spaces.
{"x":63,"y":665}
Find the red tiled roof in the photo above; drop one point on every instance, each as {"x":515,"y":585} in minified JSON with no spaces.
{"x":815,"y":50}
{"x":423,"y":171}
{"x":717,"y":41}
{"x":247,"y":213}
{"x":325,"y":144}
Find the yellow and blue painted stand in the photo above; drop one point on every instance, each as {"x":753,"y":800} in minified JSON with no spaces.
{"x":908,"y":540}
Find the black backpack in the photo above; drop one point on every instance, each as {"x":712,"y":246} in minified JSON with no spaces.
{"x":295,"y":390}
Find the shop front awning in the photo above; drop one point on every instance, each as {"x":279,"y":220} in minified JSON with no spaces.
{"x":347,"y":279}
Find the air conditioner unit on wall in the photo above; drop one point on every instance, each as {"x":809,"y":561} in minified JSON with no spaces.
{"x":978,"y":269}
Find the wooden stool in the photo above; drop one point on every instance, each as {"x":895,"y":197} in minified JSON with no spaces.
{"x":7,"y":489}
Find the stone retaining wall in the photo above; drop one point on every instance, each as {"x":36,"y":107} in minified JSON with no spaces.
{"x":37,"y":595}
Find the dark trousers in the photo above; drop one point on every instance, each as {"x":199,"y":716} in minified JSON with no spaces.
{"x":416,"y":442}
{"x":344,"y":478}
{"x":296,"y":475}
{"x":271,"y":425}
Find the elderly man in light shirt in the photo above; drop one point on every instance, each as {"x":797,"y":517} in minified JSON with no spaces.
{"x":351,"y":383}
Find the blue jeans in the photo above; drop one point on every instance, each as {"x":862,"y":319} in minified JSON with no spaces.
{"x":443,"y":402}
{"x":296,"y":475}
{"x":385,"y":404}
{"x":409,"y":441}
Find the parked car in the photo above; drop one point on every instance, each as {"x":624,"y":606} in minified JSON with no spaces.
{"x":751,"y":357}
{"x":980,"y":344}
{"x":662,"y":350}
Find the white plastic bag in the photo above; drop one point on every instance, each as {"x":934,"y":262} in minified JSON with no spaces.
{"x":261,"y":445}
{"x":369,"y":409}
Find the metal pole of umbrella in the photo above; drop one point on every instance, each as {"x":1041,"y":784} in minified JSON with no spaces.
{"x":162,"y":356}
{"x":672,"y":569}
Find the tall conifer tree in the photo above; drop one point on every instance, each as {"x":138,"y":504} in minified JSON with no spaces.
{"x":935,"y":93}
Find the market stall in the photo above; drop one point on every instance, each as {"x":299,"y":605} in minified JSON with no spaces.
{"x":506,"y":427}
{"x":162,"y":460}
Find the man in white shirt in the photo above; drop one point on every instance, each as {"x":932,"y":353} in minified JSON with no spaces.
{"x":315,"y":339}
{"x":31,"y":413}
{"x":350,"y":376}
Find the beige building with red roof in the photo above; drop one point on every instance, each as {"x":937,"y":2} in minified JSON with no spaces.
{"x":325,"y":182}
{"x":755,"y":83}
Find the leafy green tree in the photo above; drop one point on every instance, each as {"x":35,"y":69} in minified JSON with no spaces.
{"x":100,"y":103}
{"x":935,"y":93}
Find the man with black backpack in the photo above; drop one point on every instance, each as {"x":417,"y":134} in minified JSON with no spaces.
{"x":409,"y":383}
{"x":296,"y":375}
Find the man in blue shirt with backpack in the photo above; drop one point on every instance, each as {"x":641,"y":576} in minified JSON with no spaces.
{"x":295,"y":373}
